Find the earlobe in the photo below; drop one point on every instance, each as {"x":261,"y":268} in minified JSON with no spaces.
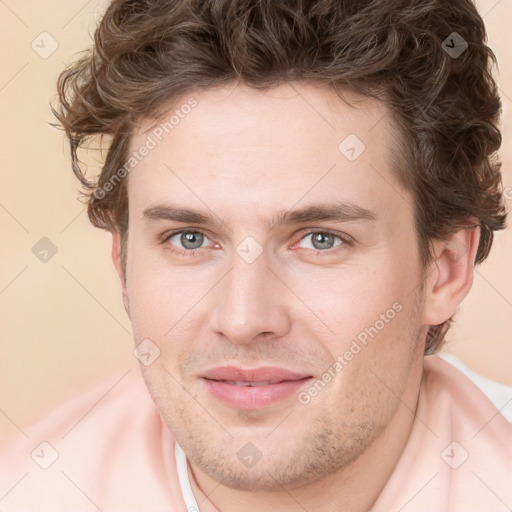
{"x":118,"y":264}
{"x":451,"y":275}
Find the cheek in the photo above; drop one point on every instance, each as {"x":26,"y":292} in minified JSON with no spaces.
{"x":368,"y":321}
{"x":160,"y":295}
{"x":348,"y":300}
{"x":371,"y":369}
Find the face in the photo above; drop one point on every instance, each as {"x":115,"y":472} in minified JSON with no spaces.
{"x":272,"y":264}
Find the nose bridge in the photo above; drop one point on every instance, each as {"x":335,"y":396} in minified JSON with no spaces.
{"x":249,"y":304}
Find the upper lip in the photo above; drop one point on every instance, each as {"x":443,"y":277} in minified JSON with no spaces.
{"x":261,"y":374}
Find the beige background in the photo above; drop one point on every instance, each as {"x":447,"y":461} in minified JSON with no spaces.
{"x":63,"y":326}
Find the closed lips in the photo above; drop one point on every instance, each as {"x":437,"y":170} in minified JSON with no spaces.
{"x":253,"y":388}
{"x":249,"y":383}
{"x":262,"y":376}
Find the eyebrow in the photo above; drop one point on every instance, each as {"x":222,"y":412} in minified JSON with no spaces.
{"x":338,"y":212}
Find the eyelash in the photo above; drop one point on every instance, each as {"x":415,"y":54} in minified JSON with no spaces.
{"x":345,"y":239}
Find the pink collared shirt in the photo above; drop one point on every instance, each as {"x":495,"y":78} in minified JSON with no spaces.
{"x":108,"y":450}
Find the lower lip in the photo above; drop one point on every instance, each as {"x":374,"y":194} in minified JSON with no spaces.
{"x":253,"y":397}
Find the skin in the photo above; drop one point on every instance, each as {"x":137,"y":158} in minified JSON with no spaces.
{"x":244,"y":155}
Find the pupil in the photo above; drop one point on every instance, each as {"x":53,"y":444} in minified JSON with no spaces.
{"x":323,"y":239}
{"x":191,"y":238}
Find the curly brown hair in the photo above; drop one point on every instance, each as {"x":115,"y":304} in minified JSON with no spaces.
{"x":446,"y":106}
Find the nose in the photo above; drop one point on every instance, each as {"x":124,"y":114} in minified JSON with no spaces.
{"x":252,"y":303}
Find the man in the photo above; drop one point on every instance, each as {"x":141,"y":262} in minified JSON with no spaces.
{"x":297,"y":192}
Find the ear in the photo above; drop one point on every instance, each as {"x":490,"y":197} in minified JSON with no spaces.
{"x":118,"y":263}
{"x":451,"y":275}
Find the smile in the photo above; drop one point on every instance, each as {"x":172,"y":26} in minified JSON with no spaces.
{"x":253,"y":388}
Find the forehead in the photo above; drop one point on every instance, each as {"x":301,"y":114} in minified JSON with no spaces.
{"x":290,"y":143}
{"x":241,"y":116}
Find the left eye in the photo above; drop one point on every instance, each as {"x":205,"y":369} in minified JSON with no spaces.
{"x":189,"y":239}
{"x":322,"y":240}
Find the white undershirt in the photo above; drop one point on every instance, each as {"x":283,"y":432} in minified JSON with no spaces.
{"x":186,"y":489}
